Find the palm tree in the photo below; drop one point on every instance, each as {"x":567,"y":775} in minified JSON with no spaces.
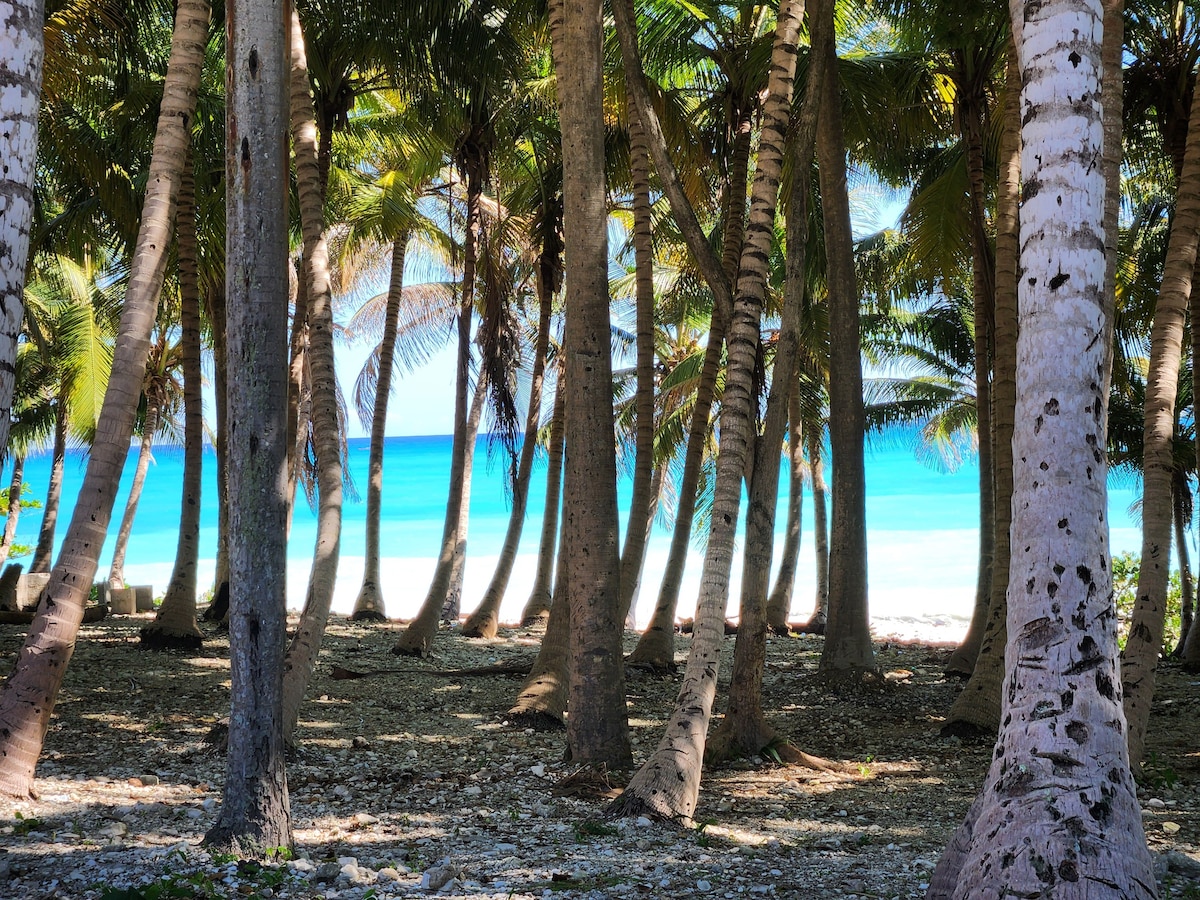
{"x":42,"y":662}
{"x":1061,"y":693}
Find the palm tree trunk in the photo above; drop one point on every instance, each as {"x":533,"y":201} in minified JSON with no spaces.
{"x":254,"y":818}
{"x":369,"y":604}
{"x":484,"y":620}
{"x":417,"y":638}
{"x":1181,"y":501}
{"x":175,"y":625}
{"x":1061,"y":741}
{"x":971,"y":111}
{"x":847,"y":652}
{"x":14,"y":507}
{"x":637,"y":529}
{"x":976,"y":709}
{"x":779,"y":603}
{"x":667,"y":786}
{"x":215,"y":301}
{"x":21,"y":27}
{"x":116,"y":571}
{"x":598,"y":726}
{"x":1144,"y":643}
{"x":301,"y":654}
{"x":28,"y":695}
{"x":538,"y":603}
{"x":43,"y":554}
{"x":816,"y":467}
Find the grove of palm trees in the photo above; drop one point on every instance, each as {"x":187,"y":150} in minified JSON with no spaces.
{"x":639,"y":227}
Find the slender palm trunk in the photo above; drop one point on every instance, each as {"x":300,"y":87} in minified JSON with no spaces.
{"x":976,"y":709}
{"x":43,"y":554}
{"x":847,"y":652}
{"x":254,"y":818}
{"x":1144,"y":642}
{"x":116,"y":571}
{"x":667,"y":786}
{"x":28,"y":695}
{"x":779,"y":602}
{"x":369,"y":605}
{"x":175,"y":625}
{"x":971,"y":112}
{"x":21,"y":73}
{"x":417,"y":638}
{"x":1181,"y":501}
{"x":485,"y":619}
{"x":301,"y":656}
{"x":215,"y":301}
{"x":1058,"y":813}
{"x":14,"y":507}
{"x":820,"y":492}
{"x":538,"y":604}
{"x":637,"y":529}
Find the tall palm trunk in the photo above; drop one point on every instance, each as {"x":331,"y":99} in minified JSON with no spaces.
{"x":598,"y":726}
{"x":668,"y":784}
{"x":637,"y":528}
{"x":369,"y":604}
{"x":1144,"y":643}
{"x":43,"y":554}
{"x":971,"y":112}
{"x":1058,"y":813}
{"x":14,"y":507}
{"x":175,"y":625}
{"x":215,"y":303}
{"x":417,"y":638}
{"x":485,"y":619}
{"x":820,"y":491}
{"x":116,"y":570}
{"x":847,"y":652}
{"x":21,"y":73}
{"x":1181,"y":500}
{"x":28,"y":695}
{"x":254,"y":819}
{"x":779,"y":603}
{"x":301,"y":654}
{"x":976,"y":709}
{"x":538,"y":604}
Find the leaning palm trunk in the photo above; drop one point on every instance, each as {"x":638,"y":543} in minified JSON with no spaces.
{"x":538,"y":604}
{"x":21,"y":27}
{"x":369,"y":604}
{"x":668,"y":784}
{"x":485,"y":619}
{"x":820,"y":492}
{"x":779,"y":603}
{"x":637,"y":529}
{"x":1058,"y":814}
{"x":847,"y":652}
{"x":301,"y":654}
{"x":44,"y":551}
{"x":14,"y":507}
{"x":976,"y":709}
{"x":175,"y":625}
{"x":43,"y":659}
{"x":1144,"y":643}
{"x":116,"y":570}
{"x":417,"y":638}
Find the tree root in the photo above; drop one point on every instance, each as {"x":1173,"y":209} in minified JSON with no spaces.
{"x":588,"y":783}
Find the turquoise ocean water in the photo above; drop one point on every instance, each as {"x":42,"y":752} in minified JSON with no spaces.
{"x":922,"y":531}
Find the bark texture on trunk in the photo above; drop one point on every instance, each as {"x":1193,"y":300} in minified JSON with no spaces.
{"x":667,"y":785}
{"x":540,"y":595}
{"x":542,"y":700}
{"x":369,"y":605}
{"x":254,"y":818}
{"x":847,"y":652}
{"x":43,"y":554}
{"x":598,"y":727}
{"x":28,"y":695}
{"x":14,"y":507}
{"x":175,"y":624}
{"x":820,"y":492}
{"x":21,"y":26}
{"x":1058,"y":813}
{"x":779,"y":603}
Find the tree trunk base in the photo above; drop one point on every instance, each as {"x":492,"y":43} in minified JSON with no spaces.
{"x":967,"y":731}
{"x":415,"y":640}
{"x":481,"y":626}
{"x":224,"y":839}
{"x":159,"y":637}
{"x":589,"y":782}
{"x":655,"y":652}
{"x":535,"y":620}
{"x":536,"y":719}
{"x":632,"y":806}
{"x":367,"y":615}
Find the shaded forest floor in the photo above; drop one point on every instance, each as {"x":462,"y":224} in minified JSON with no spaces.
{"x":411,"y":784}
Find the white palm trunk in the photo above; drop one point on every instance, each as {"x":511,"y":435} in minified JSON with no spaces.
{"x":1058,"y":814}
{"x":21,"y":55}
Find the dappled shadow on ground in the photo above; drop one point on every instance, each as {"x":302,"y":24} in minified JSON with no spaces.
{"x":402,"y":770}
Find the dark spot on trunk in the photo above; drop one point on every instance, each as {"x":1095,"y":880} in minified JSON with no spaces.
{"x":1051,"y":589}
{"x":1077,"y":731}
{"x":1075,"y":59}
{"x":1067,"y":698}
{"x":1051,"y":407}
{"x":1101,"y":811}
{"x":1058,"y":570}
{"x":253,"y":62}
{"x":1059,"y":280}
{"x":1104,"y":685}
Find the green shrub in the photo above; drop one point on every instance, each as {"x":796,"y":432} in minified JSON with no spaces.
{"x":1125,"y":569}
